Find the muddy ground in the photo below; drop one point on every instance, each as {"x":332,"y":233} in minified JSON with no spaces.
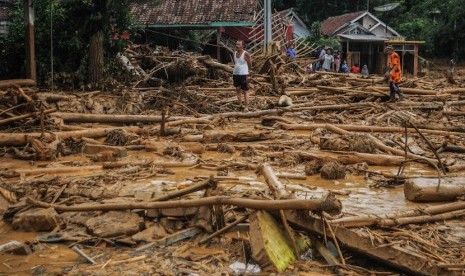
{"x":198,"y":131}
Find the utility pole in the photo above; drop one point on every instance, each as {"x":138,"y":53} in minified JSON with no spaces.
{"x":30,"y":45}
{"x":267,"y":28}
{"x":51,"y":45}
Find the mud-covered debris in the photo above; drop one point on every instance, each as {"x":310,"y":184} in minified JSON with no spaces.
{"x":361,"y":143}
{"x":95,"y":149}
{"x":120,"y":137}
{"x":174,"y":151}
{"x":115,"y":224}
{"x":225,"y":148}
{"x":333,"y":171}
{"x":150,"y":234}
{"x":248,"y":152}
{"x":37,"y":219}
{"x":313,"y":167}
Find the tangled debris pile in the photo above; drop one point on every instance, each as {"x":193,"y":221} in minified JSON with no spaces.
{"x":188,"y":184}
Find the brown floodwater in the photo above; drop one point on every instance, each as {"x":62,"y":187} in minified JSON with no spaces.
{"x":49,"y":257}
{"x":354,"y":191}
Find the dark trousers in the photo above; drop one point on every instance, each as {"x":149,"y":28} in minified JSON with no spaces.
{"x":394,"y":87}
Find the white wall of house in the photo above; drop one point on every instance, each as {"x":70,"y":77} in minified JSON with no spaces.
{"x":381,"y":31}
{"x":299,"y":30}
{"x":368,"y":22}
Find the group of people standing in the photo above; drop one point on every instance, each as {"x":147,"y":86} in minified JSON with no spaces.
{"x":328,"y":60}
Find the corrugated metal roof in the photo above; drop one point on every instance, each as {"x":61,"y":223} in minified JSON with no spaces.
{"x":365,"y":38}
{"x":192,"y":12}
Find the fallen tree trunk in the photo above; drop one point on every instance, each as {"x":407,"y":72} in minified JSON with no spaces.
{"x":456,"y":168}
{"x":20,"y":139}
{"x":429,"y":192}
{"x":113,"y":119}
{"x":20,"y":117}
{"x":412,"y":91}
{"x":380,"y":220}
{"x":362,"y":128}
{"x":57,"y":170}
{"x":52,"y":98}
{"x":393,"y":255}
{"x":286,"y":204}
{"x":453,"y":113}
{"x":208,"y":61}
{"x":270,"y":245}
{"x":380,"y":145}
{"x":17,"y":82}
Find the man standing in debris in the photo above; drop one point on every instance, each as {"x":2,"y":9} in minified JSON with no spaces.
{"x":242,"y":63}
{"x":394,"y":74}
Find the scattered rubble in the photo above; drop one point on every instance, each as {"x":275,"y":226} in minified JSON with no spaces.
{"x":169,"y":173}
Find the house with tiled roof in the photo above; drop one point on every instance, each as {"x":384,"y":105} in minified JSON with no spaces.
{"x":195,"y":13}
{"x":363,"y":37}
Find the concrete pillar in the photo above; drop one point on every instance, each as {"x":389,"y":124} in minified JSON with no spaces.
{"x":267,"y":28}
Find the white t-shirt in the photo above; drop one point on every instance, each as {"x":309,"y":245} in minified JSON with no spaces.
{"x":329,"y":59}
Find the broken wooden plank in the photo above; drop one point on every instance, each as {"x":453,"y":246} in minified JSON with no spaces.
{"x":392,"y":255}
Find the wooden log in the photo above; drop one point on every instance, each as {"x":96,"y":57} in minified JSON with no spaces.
{"x":364,"y":128}
{"x":428,"y":191}
{"x":20,"y":139}
{"x":57,"y":170}
{"x":456,"y":168}
{"x":208,"y":61}
{"x":411,"y":91}
{"x":453,"y":113}
{"x":28,"y":115}
{"x":317,"y":205}
{"x":52,"y":97}
{"x":4,"y":84}
{"x":392,"y":255}
{"x":273,"y":182}
{"x":113,"y":119}
{"x":350,"y":90}
{"x":380,"y":220}
{"x":453,"y":91}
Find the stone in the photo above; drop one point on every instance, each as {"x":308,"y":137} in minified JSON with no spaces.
{"x":15,"y":247}
{"x":150,"y":234}
{"x":95,"y":149}
{"x":115,"y":224}
{"x":38,"y":219}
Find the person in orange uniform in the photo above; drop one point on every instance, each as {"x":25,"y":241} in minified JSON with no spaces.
{"x":394,"y":74}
